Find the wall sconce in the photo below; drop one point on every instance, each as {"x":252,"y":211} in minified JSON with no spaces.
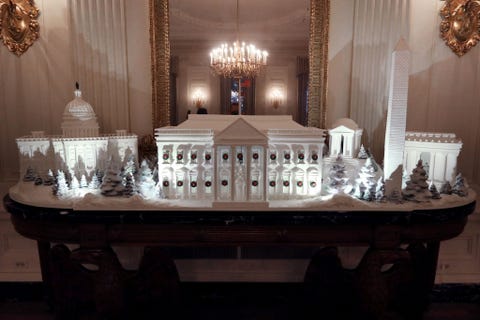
{"x":198,"y":98}
{"x":460,"y":24}
{"x":19,"y":26}
{"x":276,"y":97}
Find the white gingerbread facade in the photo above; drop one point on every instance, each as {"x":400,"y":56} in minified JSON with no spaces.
{"x":240,"y":159}
{"x":438,"y":152}
{"x":80,"y":150}
{"x":345,"y":138}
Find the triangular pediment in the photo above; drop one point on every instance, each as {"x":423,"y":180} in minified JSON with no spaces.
{"x":341,"y":129}
{"x":241,"y":132}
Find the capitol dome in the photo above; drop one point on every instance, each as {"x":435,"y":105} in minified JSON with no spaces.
{"x":79,"y":119}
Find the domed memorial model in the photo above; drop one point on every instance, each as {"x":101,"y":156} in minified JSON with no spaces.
{"x":79,"y":119}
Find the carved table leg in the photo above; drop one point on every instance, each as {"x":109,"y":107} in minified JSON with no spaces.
{"x":381,"y":277}
{"x":328,"y":286}
{"x":368,"y":292}
{"x":43,"y":254}
{"x":155,"y":288}
{"x":108,"y":279}
{"x":424,"y":264}
{"x":70,"y":284}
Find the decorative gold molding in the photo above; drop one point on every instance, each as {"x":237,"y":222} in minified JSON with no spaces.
{"x":18,"y":24}
{"x":160,"y":56}
{"x":318,"y":63}
{"x":460,"y":26}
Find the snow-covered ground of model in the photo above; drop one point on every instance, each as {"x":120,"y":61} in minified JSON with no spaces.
{"x":41,"y":196}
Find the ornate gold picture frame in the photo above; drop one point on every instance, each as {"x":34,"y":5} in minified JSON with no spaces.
{"x":318,"y":62}
{"x":18,"y":24}
{"x":460,"y":26}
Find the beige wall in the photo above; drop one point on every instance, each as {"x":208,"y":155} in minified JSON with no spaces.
{"x":112,"y":65}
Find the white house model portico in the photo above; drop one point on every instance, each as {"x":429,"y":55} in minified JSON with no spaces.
{"x":226,"y":158}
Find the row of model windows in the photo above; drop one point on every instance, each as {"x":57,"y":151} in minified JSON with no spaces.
{"x":225,"y":156}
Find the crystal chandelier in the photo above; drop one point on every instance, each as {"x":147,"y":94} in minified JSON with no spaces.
{"x":238,"y":60}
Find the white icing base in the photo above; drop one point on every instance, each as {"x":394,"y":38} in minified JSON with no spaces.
{"x":41,"y":196}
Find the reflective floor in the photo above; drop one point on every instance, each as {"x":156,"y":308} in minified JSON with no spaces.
{"x":228,"y":301}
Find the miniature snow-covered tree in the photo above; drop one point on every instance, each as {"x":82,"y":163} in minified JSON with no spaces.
{"x":30,"y":175}
{"x":459,"y":188}
{"x":366,"y":176}
{"x":359,"y":190}
{"x":94,"y":183}
{"x":145,"y":182}
{"x":60,"y":188}
{"x":433,"y":190}
{"x":446,"y":188}
{"x":75,"y":185}
{"x":49,"y":179}
{"x":337,"y":179}
{"x":380,"y":191}
{"x":130,"y":166}
{"x":112,"y":182}
{"x":362,"y":154}
{"x":130,"y":187}
{"x":417,"y":187}
{"x":38,"y":180}
{"x":83,"y":181}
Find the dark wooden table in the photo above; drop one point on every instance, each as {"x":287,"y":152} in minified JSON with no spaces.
{"x":394,"y":277}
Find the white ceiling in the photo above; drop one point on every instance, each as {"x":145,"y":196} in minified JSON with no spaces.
{"x":259,"y":20}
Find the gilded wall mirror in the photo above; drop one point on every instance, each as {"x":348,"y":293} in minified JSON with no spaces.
{"x":164,"y":67}
{"x":18,"y":24}
{"x":460,"y":26}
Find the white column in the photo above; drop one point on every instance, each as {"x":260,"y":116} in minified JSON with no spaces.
{"x":451,"y":167}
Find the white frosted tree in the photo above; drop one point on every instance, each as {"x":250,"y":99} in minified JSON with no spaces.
{"x":94,"y":183}
{"x":380,"y":191}
{"x":362,"y":154}
{"x":416,"y":188}
{"x":366,"y":177}
{"x":75,"y":185}
{"x":83,"y":181}
{"x":359,"y":190}
{"x":130,"y":166}
{"x":460,"y":188}
{"x":145,"y":182}
{"x":60,"y":188}
{"x":337,"y":178}
{"x":49,"y":179}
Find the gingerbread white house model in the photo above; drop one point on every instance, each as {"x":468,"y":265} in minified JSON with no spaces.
{"x":222,"y":158}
